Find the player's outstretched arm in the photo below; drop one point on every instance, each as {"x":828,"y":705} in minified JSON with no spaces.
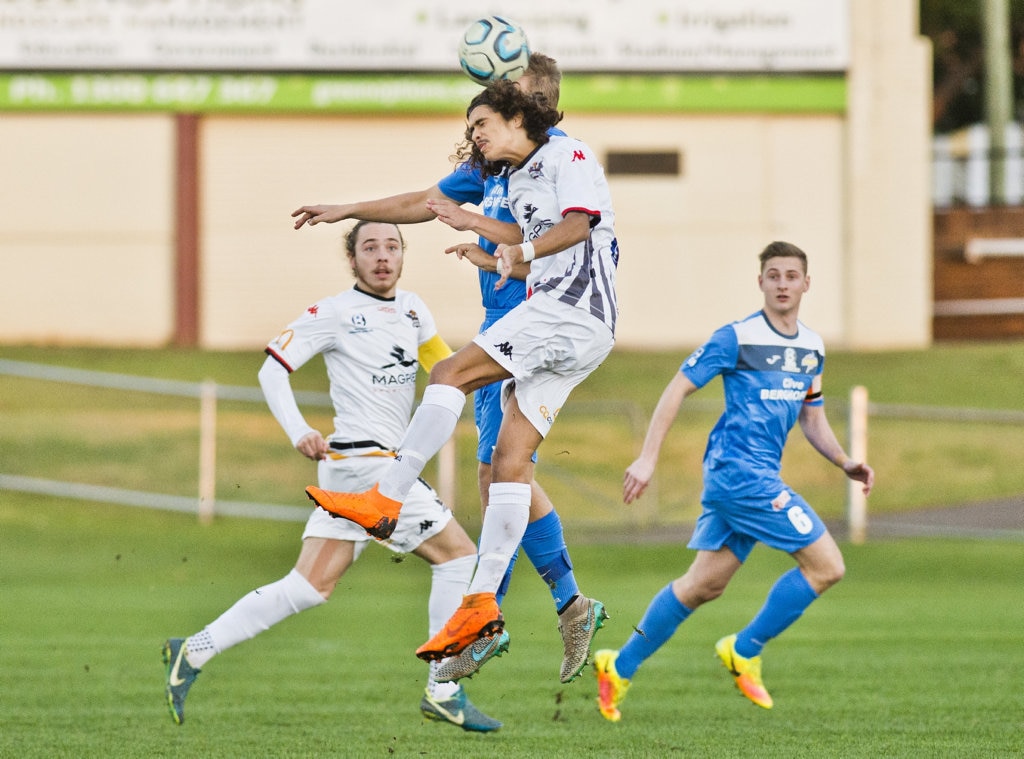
{"x":406,"y":208}
{"x":484,"y":260}
{"x":639,"y":473}
{"x":822,"y":437}
{"x":573,"y":228}
{"x":463,"y":220}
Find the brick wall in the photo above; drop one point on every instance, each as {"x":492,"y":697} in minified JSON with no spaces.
{"x":964,"y":291}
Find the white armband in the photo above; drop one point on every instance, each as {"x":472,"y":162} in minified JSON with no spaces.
{"x":528,"y":251}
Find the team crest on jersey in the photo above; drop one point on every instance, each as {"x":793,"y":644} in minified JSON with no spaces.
{"x":412,"y":316}
{"x":358,"y":324}
{"x":808,"y":364}
{"x":536,"y":170}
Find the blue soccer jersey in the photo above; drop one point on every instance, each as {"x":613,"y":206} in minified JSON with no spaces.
{"x":767,"y":378}
{"x":468,"y":185}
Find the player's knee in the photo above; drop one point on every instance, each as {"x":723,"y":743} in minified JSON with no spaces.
{"x":692,"y":593}
{"x":827,"y":574}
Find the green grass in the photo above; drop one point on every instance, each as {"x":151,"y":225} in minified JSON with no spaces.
{"x":109,"y":437}
{"x":917,"y":653}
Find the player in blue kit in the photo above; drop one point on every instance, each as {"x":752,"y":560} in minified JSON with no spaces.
{"x":579,"y":617}
{"x":771,"y":368}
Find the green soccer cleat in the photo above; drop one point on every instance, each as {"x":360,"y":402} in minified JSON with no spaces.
{"x":611,"y":687}
{"x":472,"y":657}
{"x":747,"y":672}
{"x":578,"y":624}
{"x":459,"y":711}
{"x":180,"y":676}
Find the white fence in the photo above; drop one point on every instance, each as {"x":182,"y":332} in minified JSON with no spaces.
{"x":207,"y":394}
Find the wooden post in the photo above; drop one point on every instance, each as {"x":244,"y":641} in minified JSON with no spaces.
{"x":857,"y":513}
{"x":207,"y":450}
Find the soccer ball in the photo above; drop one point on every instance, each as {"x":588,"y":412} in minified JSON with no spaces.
{"x":494,"y":48}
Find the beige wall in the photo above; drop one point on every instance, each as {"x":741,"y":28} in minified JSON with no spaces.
{"x":86,"y":233}
{"x":86,"y":226}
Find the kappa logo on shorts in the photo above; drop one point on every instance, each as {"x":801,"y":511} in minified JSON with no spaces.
{"x":425,"y":525}
{"x":505,"y":349}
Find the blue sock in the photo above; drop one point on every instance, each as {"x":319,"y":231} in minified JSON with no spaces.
{"x":786,"y":601}
{"x":544,"y":544}
{"x":503,"y":587}
{"x":659,"y":623}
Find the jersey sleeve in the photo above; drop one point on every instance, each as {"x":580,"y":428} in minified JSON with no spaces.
{"x":717,"y":355}
{"x":814,"y":396}
{"x":432,"y":347}
{"x":312,"y":333}
{"x":577,"y":174}
{"x":463,"y":185}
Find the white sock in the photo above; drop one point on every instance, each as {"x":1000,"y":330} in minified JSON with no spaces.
{"x":440,"y":691}
{"x":505,"y":520}
{"x":448,"y":584}
{"x":431,"y":426}
{"x":255,"y":612}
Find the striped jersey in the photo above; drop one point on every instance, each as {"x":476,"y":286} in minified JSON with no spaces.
{"x":559,"y":177}
{"x":767,"y":377}
{"x":370,"y":347}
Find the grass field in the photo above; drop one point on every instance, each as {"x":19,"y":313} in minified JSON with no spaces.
{"x":917,"y":653}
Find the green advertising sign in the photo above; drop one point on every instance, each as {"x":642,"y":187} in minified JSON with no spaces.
{"x":355,"y":93}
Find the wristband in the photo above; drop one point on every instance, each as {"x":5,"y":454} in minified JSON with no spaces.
{"x":528,"y":252}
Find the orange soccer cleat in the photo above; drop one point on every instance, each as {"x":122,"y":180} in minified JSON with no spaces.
{"x":477,"y":617}
{"x":375,"y":513}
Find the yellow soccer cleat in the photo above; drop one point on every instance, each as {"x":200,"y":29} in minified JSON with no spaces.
{"x":611,"y":688}
{"x":746,"y":671}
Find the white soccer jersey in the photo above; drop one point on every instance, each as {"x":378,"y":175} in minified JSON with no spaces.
{"x":562,"y":176}
{"x":370,"y":346}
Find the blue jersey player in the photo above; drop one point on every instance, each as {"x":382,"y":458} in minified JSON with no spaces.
{"x":544,"y":541}
{"x":771,"y":366}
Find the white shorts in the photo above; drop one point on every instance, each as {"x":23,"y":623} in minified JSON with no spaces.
{"x":548,"y":347}
{"x":422,"y":516}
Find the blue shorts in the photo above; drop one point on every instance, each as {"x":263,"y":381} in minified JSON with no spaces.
{"x":786,"y":523}
{"x":487,"y":413}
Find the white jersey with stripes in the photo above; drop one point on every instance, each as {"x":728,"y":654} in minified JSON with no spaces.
{"x":560,"y":177}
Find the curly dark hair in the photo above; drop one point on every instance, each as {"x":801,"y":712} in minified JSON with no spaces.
{"x":508,"y":100}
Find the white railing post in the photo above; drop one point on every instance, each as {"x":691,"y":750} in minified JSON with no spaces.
{"x":857,"y":512}
{"x":207,"y":450}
